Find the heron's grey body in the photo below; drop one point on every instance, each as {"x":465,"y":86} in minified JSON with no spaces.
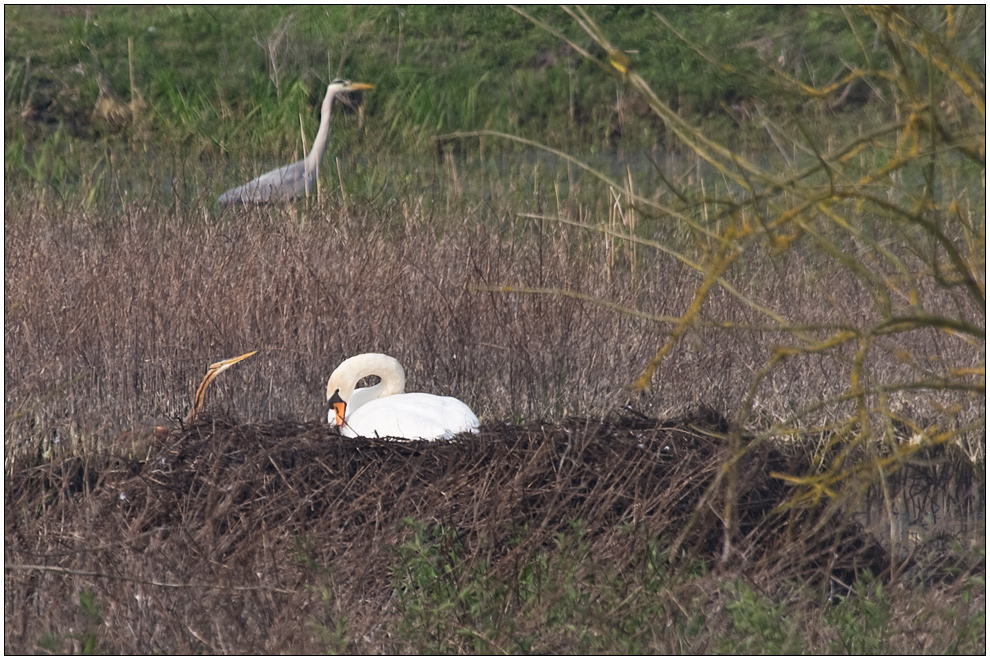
{"x":292,"y":181}
{"x":285,"y":183}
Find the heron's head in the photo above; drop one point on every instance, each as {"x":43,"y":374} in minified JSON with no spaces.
{"x":344,"y":85}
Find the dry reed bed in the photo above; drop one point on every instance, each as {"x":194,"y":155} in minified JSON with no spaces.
{"x":112,"y":317}
{"x":208,"y":542}
{"x":222,"y":540}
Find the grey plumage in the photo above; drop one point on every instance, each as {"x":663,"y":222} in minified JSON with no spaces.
{"x":292,"y":181}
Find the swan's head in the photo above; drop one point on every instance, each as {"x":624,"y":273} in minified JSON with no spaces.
{"x":342,"y":391}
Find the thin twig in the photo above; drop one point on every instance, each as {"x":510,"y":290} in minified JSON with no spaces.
{"x":127,"y":578}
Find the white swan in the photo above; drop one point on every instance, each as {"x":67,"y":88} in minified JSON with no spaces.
{"x":385,"y":410}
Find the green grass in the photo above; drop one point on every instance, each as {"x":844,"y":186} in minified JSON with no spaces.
{"x":86,"y":640}
{"x":562,"y":599}
{"x":223,"y":88}
{"x":99,"y":167}
{"x":565,"y":600}
{"x":219,"y":95}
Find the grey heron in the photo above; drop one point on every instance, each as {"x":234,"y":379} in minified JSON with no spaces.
{"x":292,"y":181}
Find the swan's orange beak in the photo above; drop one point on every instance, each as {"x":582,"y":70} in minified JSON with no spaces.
{"x":339,"y":407}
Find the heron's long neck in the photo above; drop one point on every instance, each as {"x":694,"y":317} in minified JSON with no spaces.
{"x":320,"y":143}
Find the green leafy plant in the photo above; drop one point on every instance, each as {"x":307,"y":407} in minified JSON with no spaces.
{"x":759,"y":625}
{"x":86,"y":640}
{"x":861,"y":619}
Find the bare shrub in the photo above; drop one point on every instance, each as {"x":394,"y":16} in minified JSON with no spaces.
{"x":888,"y":229}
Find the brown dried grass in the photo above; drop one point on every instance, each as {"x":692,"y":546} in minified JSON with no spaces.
{"x":221,"y":511}
{"x":112,"y":318}
{"x":234,"y":537}
{"x":240,"y":538}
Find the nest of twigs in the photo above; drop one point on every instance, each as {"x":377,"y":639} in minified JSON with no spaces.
{"x":213,"y":541}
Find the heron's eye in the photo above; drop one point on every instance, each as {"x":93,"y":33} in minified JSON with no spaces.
{"x":340,"y":81}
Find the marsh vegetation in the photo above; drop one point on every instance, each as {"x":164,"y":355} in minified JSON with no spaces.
{"x":723,"y":323}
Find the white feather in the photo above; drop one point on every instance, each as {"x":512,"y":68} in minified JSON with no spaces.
{"x":385,"y":410}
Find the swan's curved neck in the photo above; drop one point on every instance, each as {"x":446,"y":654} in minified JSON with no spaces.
{"x":345,"y":378}
{"x":312,"y":161}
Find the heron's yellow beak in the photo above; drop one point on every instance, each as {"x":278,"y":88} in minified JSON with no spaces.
{"x":358,"y":86}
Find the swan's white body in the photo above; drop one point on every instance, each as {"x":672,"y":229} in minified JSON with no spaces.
{"x":385,"y":409}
